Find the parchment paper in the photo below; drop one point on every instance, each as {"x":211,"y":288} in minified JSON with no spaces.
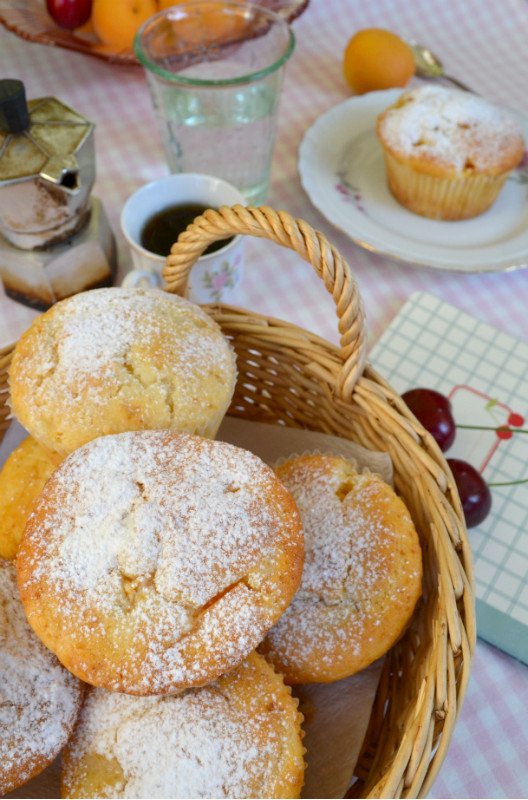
{"x":336,"y":714}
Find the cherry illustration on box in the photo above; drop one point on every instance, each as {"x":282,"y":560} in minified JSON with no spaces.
{"x":483,"y":371}
{"x":473,"y":407}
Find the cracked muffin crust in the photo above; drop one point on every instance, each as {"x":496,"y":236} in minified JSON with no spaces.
{"x":237,"y":737}
{"x":116,"y":359}
{"x":156,"y":560}
{"x":39,"y":699}
{"x":362,"y":573}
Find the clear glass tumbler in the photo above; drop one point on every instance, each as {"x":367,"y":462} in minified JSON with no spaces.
{"x":215,"y":73}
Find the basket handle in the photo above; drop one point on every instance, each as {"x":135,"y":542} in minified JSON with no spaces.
{"x":281,"y":228}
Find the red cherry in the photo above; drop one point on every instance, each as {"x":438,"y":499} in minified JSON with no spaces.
{"x":515,"y":420}
{"x":504,"y":433}
{"x":69,"y":13}
{"x":474,"y":492}
{"x":433,"y":410}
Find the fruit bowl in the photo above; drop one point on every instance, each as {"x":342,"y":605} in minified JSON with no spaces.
{"x":30,"y":20}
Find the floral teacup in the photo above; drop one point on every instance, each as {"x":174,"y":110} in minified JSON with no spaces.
{"x":215,"y":275}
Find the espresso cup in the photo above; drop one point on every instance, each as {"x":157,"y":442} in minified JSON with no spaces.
{"x":215,"y":275}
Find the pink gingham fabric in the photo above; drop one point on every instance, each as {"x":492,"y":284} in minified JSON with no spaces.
{"x":484,"y":43}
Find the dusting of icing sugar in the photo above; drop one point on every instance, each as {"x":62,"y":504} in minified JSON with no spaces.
{"x":39,"y":699}
{"x":340,"y":536}
{"x":452,"y":126}
{"x":197,"y":534}
{"x":151,"y":359}
{"x":158,"y":532}
{"x":352,"y":565}
{"x":208,"y":742}
{"x":91,"y":334}
{"x":94,"y":337}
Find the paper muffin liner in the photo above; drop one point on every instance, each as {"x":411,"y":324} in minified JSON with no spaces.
{"x":453,"y":198}
{"x":210,"y":428}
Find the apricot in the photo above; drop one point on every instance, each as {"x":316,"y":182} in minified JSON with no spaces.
{"x":116,"y":21}
{"x":377,"y":59}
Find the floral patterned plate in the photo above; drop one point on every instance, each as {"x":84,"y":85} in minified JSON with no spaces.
{"x":343,"y":172}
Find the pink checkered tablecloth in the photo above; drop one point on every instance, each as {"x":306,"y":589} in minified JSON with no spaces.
{"x":482,"y":42}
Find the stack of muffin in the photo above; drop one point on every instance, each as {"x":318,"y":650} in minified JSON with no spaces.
{"x":162,"y":589}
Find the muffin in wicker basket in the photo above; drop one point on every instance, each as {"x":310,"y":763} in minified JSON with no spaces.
{"x":362,"y":574}
{"x":111,"y":360}
{"x":289,"y":377}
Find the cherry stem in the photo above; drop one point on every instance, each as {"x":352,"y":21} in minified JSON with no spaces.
{"x":509,"y":483}
{"x":494,"y":428}
{"x":497,"y":429}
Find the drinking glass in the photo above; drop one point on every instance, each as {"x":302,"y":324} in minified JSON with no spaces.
{"x":215,"y":73}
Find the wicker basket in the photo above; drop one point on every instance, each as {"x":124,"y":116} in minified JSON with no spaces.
{"x":288,"y":376}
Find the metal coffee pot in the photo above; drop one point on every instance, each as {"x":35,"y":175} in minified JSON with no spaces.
{"x":47,"y":168}
{"x":47,"y":171}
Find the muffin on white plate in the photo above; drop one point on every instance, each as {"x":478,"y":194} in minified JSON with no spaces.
{"x":448,"y":152}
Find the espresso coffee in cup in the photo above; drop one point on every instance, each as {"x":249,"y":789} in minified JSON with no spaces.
{"x":162,"y":229}
{"x":155,"y":215}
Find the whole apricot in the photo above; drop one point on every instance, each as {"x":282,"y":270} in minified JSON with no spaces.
{"x":377,"y":59}
{"x":117,"y":21}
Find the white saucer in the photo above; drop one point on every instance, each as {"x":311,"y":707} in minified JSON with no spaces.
{"x":343,"y":172}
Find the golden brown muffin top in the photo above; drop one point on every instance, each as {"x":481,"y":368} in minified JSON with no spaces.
{"x":362,"y":572}
{"x":239,"y":736}
{"x":451,"y":129}
{"x":156,"y":560}
{"x":117,"y":359}
{"x":22,"y":479}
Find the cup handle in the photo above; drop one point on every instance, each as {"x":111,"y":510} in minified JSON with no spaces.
{"x":141,"y":278}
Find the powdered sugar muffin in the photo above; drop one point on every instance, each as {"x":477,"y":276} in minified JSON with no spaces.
{"x":22,"y":479}
{"x":115,"y":359}
{"x":361,"y":578}
{"x":237,"y":737}
{"x":156,"y":560}
{"x":39,"y":699}
{"x":448,"y":152}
